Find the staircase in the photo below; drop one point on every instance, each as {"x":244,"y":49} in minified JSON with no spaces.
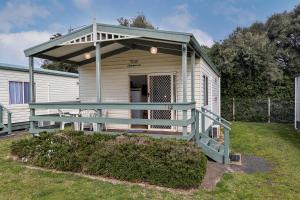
{"x":5,"y":128}
{"x":216,"y":150}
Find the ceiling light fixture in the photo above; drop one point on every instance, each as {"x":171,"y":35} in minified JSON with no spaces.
{"x":87,"y":55}
{"x":153,"y":50}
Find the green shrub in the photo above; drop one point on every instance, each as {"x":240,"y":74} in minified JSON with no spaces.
{"x":170,"y":163}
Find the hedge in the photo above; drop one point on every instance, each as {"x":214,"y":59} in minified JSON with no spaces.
{"x":170,"y":163}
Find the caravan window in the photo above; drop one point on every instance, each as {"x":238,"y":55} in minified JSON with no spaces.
{"x":18,"y":92}
{"x":205,"y":90}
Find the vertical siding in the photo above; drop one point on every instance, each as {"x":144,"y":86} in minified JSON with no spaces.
{"x":115,"y":79}
{"x":49,"y":88}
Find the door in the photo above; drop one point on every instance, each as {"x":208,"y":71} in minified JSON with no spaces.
{"x":160,"y":90}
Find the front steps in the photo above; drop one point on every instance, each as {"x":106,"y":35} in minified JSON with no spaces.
{"x":211,"y":148}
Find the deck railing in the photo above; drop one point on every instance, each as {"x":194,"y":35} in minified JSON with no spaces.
{"x":117,"y":106}
{"x":216,"y":119}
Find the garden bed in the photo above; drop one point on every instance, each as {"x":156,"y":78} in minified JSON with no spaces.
{"x":168,"y":163}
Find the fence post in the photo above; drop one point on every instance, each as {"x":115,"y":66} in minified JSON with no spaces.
{"x":1,"y":115}
{"x":269,"y":110}
{"x":233,"y":109}
{"x":9,"y":122}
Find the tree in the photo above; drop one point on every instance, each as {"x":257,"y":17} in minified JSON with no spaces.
{"x":261,"y":59}
{"x":59,"y":66}
{"x":139,"y":21}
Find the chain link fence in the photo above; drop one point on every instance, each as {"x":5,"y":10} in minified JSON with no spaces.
{"x":258,"y":110}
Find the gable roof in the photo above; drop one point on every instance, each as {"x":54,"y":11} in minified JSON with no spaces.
{"x":5,"y":66}
{"x":140,"y":33}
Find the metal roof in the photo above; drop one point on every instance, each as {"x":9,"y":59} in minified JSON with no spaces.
{"x":5,"y":66}
{"x":47,"y":49}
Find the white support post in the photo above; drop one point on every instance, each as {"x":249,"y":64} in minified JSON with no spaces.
{"x":193,"y":61}
{"x":184,"y":88}
{"x":98,"y":80}
{"x":31,"y":89}
{"x":193,"y":57}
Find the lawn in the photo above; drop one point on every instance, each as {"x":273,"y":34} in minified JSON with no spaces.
{"x":278,"y":143}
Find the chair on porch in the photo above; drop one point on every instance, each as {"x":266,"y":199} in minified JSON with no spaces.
{"x":88,"y":113}
{"x":91,"y":113}
{"x":63,"y":113}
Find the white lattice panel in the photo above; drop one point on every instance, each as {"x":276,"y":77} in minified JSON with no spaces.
{"x":101,"y":36}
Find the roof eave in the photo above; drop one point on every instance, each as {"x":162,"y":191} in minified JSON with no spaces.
{"x":203,"y":54}
{"x":57,"y":42}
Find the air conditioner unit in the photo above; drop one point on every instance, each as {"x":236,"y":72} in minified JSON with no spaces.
{"x":215,"y":131}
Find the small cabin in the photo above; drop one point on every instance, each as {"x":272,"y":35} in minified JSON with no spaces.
{"x":135,"y":80}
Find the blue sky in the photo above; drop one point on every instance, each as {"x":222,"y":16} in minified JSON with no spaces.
{"x":24,"y":23}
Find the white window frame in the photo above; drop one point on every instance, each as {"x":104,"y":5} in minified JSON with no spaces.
{"x":23,"y":90}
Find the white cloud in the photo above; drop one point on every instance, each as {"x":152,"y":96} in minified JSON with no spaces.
{"x":182,"y":20}
{"x":19,"y":14}
{"x":12,"y":45}
{"x":82,"y":3}
{"x":233,"y":13}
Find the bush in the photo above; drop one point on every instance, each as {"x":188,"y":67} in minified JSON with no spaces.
{"x":170,"y":163}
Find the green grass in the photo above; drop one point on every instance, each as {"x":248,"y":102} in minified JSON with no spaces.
{"x":278,"y":143}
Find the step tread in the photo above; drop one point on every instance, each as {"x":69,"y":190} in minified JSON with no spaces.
{"x":205,"y":140}
{"x":215,"y":146}
{"x":211,"y":152}
{"x":1,"y":132}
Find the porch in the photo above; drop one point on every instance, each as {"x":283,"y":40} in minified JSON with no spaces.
{"x":216,"y":150}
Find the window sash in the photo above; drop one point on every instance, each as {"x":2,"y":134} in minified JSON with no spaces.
{"x":18,"y":92}
{"x":205,"y":90}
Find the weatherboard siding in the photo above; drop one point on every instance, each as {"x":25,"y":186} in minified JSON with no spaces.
{"x":49,"y":88}
{"x":115,"y":79}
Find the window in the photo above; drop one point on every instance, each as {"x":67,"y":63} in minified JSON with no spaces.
{"x":18,"y":92}
{"x":205,"y":90}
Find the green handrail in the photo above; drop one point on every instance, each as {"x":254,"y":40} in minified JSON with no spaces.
{"x":226,"y":132}
{"x":219,"y":117}
{"x":213,"y":119}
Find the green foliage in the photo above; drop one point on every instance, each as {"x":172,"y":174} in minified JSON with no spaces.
{"x":139,"y":21}
{"x":59,"y":66}
{"x":170,"y":163}
{"x":260,"y":60}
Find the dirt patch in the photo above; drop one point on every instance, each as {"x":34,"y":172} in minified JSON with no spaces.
{"x":254,"y":164}
{"x":250,"y":164}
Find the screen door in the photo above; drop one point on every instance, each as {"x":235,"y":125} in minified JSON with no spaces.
{"x":160,"y":88}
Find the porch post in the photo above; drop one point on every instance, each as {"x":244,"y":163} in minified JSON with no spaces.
{"x":98,"y":80}
{"x":184,"y":77}
{"x":193,"y":91}
{"x":31,"y":89}
{"x":193,"y":61}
